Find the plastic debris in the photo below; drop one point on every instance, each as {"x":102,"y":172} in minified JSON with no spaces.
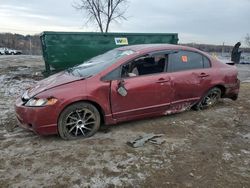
{"x":157,"y":141}
{"x":141,"y":140}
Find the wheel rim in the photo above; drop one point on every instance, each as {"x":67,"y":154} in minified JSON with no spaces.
{"x":80,"y":122}
{"x":210,"y":99}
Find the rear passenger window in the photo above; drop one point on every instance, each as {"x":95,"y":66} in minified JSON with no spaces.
{"x":186,"y":60}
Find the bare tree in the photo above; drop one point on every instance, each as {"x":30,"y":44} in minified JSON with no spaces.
{"x":103,"y":12}
{"x":247,"y":40}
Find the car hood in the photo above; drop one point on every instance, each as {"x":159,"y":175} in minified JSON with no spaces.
{"x":52,"y":82}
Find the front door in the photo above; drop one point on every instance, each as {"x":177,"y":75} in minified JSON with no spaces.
{"x":141,"y":92}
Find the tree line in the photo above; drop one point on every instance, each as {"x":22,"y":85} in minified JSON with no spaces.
{"x":216,"y":48}
{"x":28,"y":44}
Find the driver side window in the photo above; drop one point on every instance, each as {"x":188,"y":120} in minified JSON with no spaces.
{"x":144,"y":65}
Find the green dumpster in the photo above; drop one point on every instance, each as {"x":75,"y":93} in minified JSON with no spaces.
{"x":62,"y":50}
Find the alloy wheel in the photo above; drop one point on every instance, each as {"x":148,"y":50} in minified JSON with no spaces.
{"x":210,"y":99}
{"x":80,"y":122}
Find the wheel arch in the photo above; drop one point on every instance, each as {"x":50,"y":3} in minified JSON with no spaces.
{"x":95,"y":104}
{"x":221,"y":87}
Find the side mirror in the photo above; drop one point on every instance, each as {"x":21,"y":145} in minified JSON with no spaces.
{"x":121,"y":88}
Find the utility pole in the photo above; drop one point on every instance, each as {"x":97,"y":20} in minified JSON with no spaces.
{"x":30,"y":46}
{"x":223,"y":50}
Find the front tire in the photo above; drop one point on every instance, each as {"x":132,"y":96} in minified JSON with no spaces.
{"x":210,"y":99}
{"x":79,"y":120}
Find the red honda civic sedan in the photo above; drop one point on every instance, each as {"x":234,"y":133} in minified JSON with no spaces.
{"x":123,"y":84}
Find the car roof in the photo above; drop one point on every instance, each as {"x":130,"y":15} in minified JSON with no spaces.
{"x":155,"y":47}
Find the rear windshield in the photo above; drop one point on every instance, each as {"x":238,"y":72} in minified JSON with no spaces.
{"x":98,"y":63}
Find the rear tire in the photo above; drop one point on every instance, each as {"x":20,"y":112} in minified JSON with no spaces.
{"x":79,"y":120}
{"x":209,"y":100}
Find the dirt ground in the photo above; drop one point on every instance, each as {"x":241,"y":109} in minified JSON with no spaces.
{"x":209,"y":148}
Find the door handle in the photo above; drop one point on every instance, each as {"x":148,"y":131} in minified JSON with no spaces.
{"x":202,"y":75}
{"x":162,"y":80}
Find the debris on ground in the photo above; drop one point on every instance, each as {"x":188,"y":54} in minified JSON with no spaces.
{"x":157,"y":141}
{"x":141,"y":140}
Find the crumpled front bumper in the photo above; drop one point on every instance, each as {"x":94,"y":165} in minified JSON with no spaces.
{"x":41,"y":120}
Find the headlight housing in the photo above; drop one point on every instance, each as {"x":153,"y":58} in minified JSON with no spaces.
{"x":41,"y":102}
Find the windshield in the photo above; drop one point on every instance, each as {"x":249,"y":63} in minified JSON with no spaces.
{"x":98,"y":63}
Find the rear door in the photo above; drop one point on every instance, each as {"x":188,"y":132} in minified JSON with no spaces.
{"x":148,"y":92}
{"x":190,"y":74}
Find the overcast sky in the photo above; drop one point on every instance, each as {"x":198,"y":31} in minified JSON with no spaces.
{"x":199,"y":21}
